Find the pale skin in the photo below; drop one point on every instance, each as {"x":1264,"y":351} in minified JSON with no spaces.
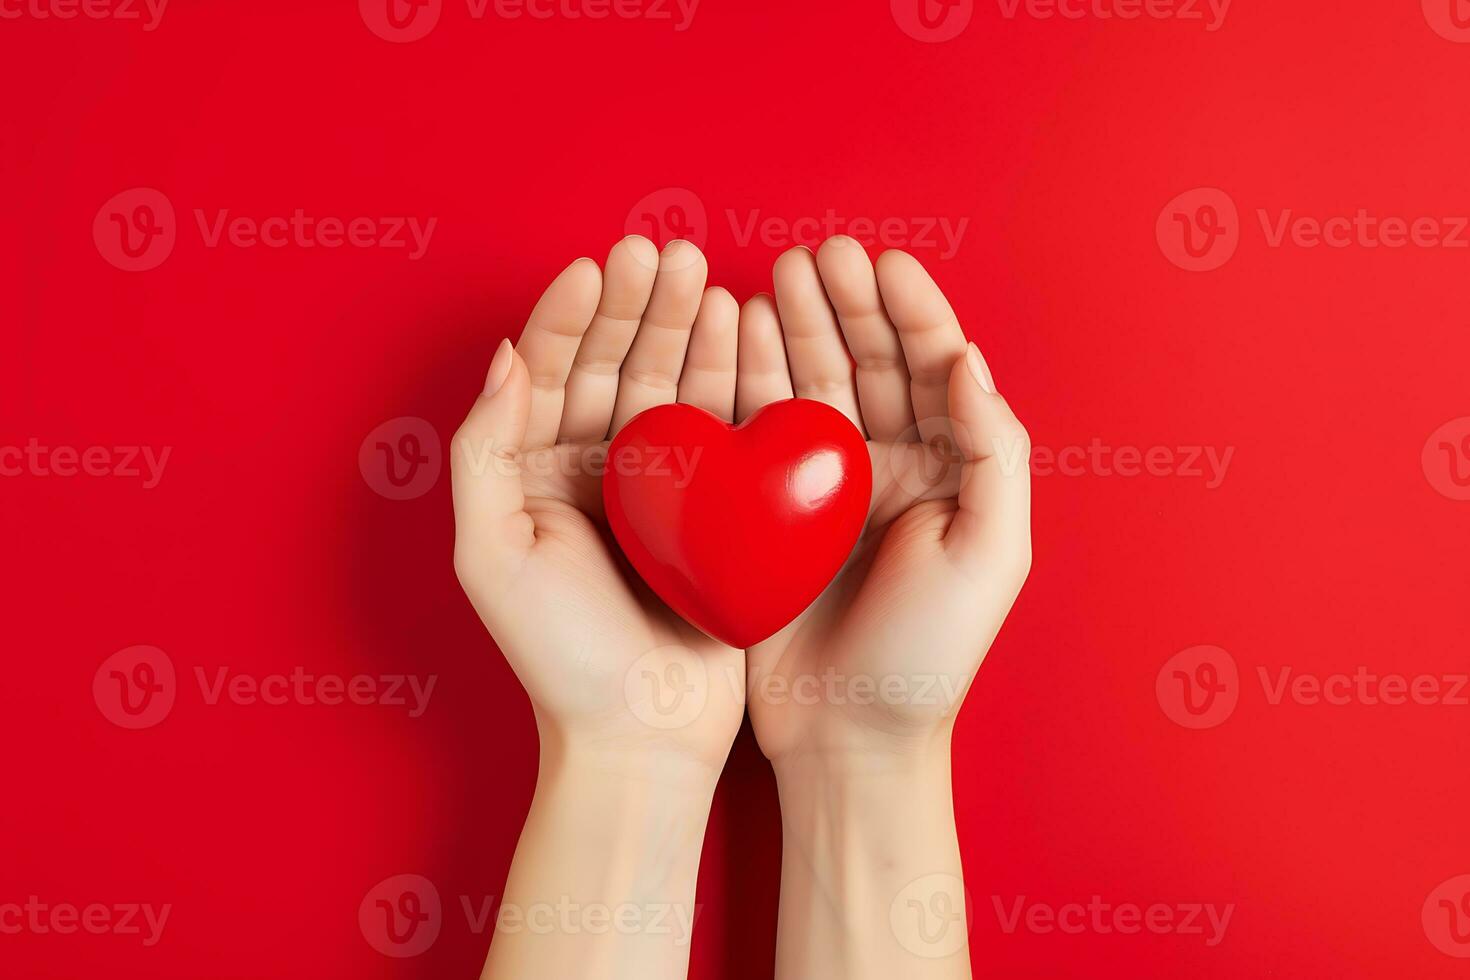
{"x":854,"y":703}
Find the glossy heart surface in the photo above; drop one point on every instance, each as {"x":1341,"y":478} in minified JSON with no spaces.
{"x":738,"y":528}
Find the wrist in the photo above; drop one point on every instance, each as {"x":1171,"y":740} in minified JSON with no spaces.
{"x":872,"y":761}
{"x":603,"y":884}
{"x":871,"y":882}
{"x":616,"y":783}
{"x":624,"y":772}
{"x":872,"y":808}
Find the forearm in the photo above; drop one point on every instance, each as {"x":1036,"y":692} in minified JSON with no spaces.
{"x":871,"y":884}
{"x":602,"y":885}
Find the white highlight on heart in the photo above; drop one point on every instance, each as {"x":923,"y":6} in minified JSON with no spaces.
{"x":816,"y":478}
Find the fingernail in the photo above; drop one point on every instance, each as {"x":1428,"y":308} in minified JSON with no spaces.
{"x":499,"y":368}
{"x":673,"y":245}
{"x":979,"y":369}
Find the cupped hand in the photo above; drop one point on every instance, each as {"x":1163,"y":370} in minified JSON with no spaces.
{"x":882,"y":659}
{"x":617,"y":681}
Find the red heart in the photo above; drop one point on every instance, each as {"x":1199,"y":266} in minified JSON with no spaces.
{"x":738,"y":528}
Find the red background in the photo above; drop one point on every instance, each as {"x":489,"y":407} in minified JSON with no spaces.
{"x":263,"y":548}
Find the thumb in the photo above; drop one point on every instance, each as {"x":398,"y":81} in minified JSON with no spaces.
{"x":490,"y":519}
{"x":993,"y":525}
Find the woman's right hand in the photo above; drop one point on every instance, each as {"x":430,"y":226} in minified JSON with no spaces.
{"x":617,"y":680}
